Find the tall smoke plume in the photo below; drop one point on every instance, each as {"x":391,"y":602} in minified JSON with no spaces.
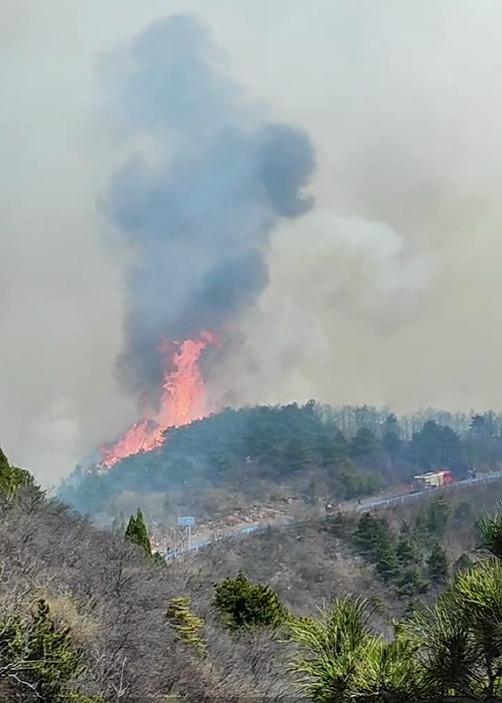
{"x":387,"y":291}
{"x":199,"y":198}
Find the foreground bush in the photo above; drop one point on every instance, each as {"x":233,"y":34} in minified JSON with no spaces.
{"x":244,"y":604}
{"x":38,"y":661}
{"x":449,"y":652}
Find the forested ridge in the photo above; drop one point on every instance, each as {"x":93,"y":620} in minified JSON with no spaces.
{"x":401,"y":604}
{"x":349,"y":452}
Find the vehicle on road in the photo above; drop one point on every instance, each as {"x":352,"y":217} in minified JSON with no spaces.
{"x":434,"y":479}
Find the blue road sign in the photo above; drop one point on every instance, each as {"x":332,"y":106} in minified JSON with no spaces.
{"x":187,"y":521}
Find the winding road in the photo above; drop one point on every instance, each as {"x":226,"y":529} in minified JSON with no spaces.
{"x":369,"y":504}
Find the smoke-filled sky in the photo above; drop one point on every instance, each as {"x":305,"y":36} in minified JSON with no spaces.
{"x":384,"y":289}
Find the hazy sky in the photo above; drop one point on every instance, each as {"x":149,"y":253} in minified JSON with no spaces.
{"x":387,"y":291}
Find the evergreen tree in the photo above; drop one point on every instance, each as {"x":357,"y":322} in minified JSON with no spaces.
{"x":43,"y":658}
{"x":437,"y":565}
{"x":437,"y":516}
{"x":491,"y":533}
{"x":137,"y":533}
{"x":376,"y":541}
{"x":364,"y":443}
{"x":294,"y":453}
{"x":245,"y":604}
{"x":436,"y":445}
{"x":357,"y":482}
{"x":391,"y":440}
{"x":411,"y":582}
{"x":366,"y":533}
{"x":386,"y":561}
{"x":407,"y":550}
{"x":12,"y":478}
{"x":186,"y":626}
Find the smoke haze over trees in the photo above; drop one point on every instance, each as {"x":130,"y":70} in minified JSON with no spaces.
{"x":266,"y":453}
{"x":385,"y":292}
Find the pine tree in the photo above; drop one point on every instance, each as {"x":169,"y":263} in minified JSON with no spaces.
{"x":376,"y":541}
{"x":491,"y":533}
{"x":391,"y":440}
{"x":437,"y":565}
{"x":411,"y":582}
{"x":366,"y":533}
{"x":186,"y":626}
{"x":437,"y":517}
{"x":12,"y":478}
{"x":364,"y":443}
{"x":386,"y":561}
{"x":137,"y":533}
{"x":407,"y":551}
{"x":245,"y":604}
{"x":44,"y":658}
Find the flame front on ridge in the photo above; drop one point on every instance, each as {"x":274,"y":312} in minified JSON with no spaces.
{"x":182,"y":400}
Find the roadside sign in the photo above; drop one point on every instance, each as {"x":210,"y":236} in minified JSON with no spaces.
{"x":187,"y":521}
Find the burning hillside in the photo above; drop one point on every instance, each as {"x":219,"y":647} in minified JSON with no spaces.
{"x":197,"y":220}
{"x":182,"y":400}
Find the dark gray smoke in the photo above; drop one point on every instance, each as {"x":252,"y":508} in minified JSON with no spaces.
{"x":198,"y":200}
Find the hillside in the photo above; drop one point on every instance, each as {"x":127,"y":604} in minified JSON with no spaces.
{"x":111,"y":599}
{"x":268,"y":455}
{"x":309,"y":562}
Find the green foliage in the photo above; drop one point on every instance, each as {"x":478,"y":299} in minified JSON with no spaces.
{"x":446,"y":655}
{"x":437,"y":516}
{"x":264,"y":442}
{"x":436,"y":445}
{"x":391,"y":439}
{"x":410,"y":582}
{"x":36,"y":656}
{"x":437,"y":565}
{"x":388,"y":671}
{"x":491,"y":533}
{"x":339,"y":659}
{"x":355,"y":482}
{"x":12,"y":478}
{"x":462,"y":512}
{"x":369,"y":532}
{"x":407,"y":551}
{"x":463,"y":562}
{"x":330,"y":649}
{"x":137,"y":533}
{"x":374,"y":538}
{"x":244,"y":604}
{"x":186,"y":626}
{"x":460,"y":638}
{"x":452,"y":650}
{"x":386,"y":561}
{"x":399,"y":558}
{"x":477,"y":596}
{"x":158,"y":559}
{"x":364,"y":443}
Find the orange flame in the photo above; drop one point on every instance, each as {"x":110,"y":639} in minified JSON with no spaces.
{"x":182,"y":401}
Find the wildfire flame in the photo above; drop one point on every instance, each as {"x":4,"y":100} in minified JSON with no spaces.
{"x":182,"y":400}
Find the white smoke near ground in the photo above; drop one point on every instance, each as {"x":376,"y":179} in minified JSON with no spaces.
{"x":331,"y":279}
{"x":387,"y":292}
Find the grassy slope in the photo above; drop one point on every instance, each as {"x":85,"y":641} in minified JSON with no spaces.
{"x":115,"y":600}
